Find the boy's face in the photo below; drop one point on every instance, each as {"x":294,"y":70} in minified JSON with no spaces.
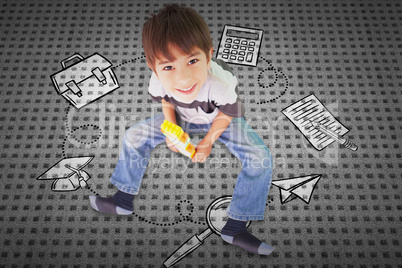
{"x":185,"y":76}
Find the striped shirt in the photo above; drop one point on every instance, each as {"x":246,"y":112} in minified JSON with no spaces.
{"x":219,"y":93}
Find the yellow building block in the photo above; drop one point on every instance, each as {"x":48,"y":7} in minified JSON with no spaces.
{"x":178,"y":137}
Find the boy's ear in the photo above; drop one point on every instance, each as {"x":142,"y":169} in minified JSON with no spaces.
{"x":211,"y":52}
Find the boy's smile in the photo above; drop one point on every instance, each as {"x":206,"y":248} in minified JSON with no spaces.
{"x":185,"y":75}
{"x":187,"y":91}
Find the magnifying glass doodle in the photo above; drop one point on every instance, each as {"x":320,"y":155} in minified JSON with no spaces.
{"x":216,"y":219}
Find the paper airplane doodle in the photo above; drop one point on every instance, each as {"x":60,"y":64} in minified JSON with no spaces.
{"x":68,"y":174}
{"x":301,"y":187}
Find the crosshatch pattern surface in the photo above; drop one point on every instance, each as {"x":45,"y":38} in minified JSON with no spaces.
{"x":346,"y":53}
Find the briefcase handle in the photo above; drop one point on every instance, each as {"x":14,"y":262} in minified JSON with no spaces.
{"x":76,"y":55}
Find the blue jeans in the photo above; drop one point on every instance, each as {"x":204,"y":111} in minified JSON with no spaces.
{"x":253,"y":183}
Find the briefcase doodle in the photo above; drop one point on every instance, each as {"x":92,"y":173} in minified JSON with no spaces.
{"x":85,"y":81}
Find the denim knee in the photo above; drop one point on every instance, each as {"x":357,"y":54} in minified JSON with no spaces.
{"x":259,"y":162}
{"x":136,"y":135}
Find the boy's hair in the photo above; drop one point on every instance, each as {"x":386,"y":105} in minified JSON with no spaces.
{"x":178,"y":26}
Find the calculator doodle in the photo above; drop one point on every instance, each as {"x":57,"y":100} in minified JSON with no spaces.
{"x":240,"y":45}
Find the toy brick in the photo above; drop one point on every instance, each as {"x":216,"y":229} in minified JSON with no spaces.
{"x":178,"y":137}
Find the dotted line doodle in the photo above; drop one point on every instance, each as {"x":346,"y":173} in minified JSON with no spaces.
{"x":70,"y":132}
{"x":261,"y":76}
{"x":83,"y":127}
{"x":63,"y":150}
{"x":269,"y":201}
{"x":92,"y":191}
{"x":129,"y":61}
{"x":178,"y":208}
{"x":277,"y":72}
{"x":66,"y":119}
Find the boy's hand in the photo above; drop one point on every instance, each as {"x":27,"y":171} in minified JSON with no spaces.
{"x":171,"y":146}
{"x":202,"y":151}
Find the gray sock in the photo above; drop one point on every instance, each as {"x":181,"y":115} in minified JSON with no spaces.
{"x":107,"y":205}
{"x":248,"y":242}
{"x":235,"y":233}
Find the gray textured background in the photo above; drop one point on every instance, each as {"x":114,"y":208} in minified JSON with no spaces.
{"x":346,"y":53}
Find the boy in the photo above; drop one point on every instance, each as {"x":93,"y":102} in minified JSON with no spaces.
{"x":178,"y":49}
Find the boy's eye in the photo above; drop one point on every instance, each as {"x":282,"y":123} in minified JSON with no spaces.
{"x":168,"y":68}
{"x":193,"y":61}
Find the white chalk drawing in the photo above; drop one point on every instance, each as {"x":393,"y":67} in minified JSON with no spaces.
{"x":85,"y":81}
{"x":239,"y":45}
{"x":67,"y":174}
{"x":216,"y":217}
{"x":298,"y":187}
{"x":272,"y":80}
{"x":329,"y":133}
{"x":316,"y":123}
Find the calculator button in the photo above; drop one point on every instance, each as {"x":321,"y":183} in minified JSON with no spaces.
{"x":243,"y":48}
{"x":227,"y":45}
{"x":244,"y":42}
{"x":235,"y":47}
{"x":229,"y":40}
{"x":226,"y":51}
{"x":233,"y":52}
{"x":251,"y":49}
{"x":236,"y":41}
{"x":249,"y":57}
{"x":242,"y":53}
{"x":241,"y":58}
{"x":233,"y":57}
{"x":225,"y":56}
{"x":252,"y":43}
